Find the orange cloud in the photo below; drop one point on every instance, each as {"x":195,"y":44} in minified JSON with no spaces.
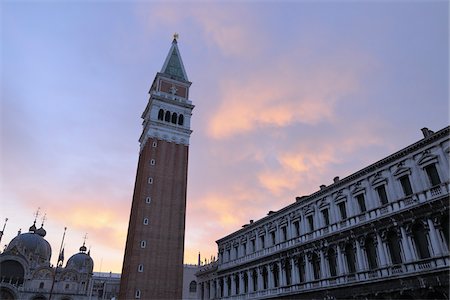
{"x":281,"y":95}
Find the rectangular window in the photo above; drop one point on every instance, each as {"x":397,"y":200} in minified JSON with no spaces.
{"x":361,"y":203}
{"x":342,"y":210}
{"x":382,"y":194}
{"x":141,"y":268}
{"x":406,"y":185}
{"x":272,"y":234}
{"x":236,"y":252}
{"x":326,"y":217}
{"x":297,"y":228}
{"x":244,"y":249}
{"x":150,"y":180}
{"x":310,"y":223}
{"x":253,"y":245}
{"x":433,"y":175}
{"x":284,"y":233}
{"x":262,"y":241}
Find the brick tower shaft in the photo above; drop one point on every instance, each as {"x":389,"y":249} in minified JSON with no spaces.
{"x":153,"y":259}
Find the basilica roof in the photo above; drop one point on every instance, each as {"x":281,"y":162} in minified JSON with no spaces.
{"x":31,"y":245}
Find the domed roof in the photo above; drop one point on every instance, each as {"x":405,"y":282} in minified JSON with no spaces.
{"x":31,"y":244}
{"x":81,"y":262}
{"x":41,"y":231}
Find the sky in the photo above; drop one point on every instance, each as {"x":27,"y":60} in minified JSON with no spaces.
{"x":287,"y":94}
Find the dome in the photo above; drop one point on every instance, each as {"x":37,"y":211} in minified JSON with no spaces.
{"x":31,"y":245}
{"x":81,"y":262}
{"x":41,"y":231}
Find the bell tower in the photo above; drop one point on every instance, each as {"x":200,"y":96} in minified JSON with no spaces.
{"x":153,"y":260}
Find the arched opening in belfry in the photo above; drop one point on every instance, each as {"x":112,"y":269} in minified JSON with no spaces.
{"x":167,"y":117}
{"x":174,"y":118}
{"x":180,"y":119}
{"x":161,"y":115}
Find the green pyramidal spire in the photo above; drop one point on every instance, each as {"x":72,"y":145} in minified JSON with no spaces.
{"x":173,"y":66}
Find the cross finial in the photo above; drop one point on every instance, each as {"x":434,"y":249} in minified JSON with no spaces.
{"x":36,"y":214}
{"x":175,"y":36}
{"x":43,"y":219}
{"x":84,"y":239}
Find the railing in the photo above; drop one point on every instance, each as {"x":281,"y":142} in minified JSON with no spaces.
{"x":373,"y":214}
{"x":345,"y":279}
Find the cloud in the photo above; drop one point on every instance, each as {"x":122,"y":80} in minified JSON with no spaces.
{"x":282,"y":93}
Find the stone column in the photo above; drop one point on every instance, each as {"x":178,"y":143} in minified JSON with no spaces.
{"x":225,"y":286}
{"x":406,"y":245}
{"x":211,"y":289}
{"x":282,"y":278}
{"x":323,"y":268}
{"x":340,"y":261}
{"x":380,"y":249}
{"x":242,"y":282}
{"x":270,"y":276}
{"x":434,"y":239}
{"x":359,"y":255}
{"x":294,"y":278}
{"x":199,"y":290}
{"x":260,"y":279}
{"x":207,"y":289}
{"x":309,"y":275}
{"x":233,"y":284}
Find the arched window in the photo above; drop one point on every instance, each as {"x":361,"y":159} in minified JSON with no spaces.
{"x":350,"y":257}
{"x":11,"y":270}
{"x":245,"y":282}
{"x":161,"y":114}
{"x":193,"y":287}
{"x":167,"y":117}
{"x":265,"y":278}
{"x":301,"y":269}
{"x":229,"y":285}
{"x":332,"y":261}
{"x":221,"y":287}
{"x":236,"y":284}
{"x":174,"y":118}
{"x":255,"y":280}
{"x":393,"y":244}
{"x":41,"y":285}
{"x":137,"y":294}
{"x":145,"y":221}
{"x":276,"y":277}
{"x":316,"y":265}
{"x":421,"y":241}
{"x":143,"y":244}
{"x":180,"y":119}
{"x":371,"y":253}
{"x":287,"y":270}
{"x":141,"y":268}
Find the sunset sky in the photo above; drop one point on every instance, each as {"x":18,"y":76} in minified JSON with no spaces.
{"x":288,"y":95}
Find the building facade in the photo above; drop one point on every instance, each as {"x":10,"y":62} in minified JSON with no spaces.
{"x":153,"y":259}
{"x":26,"y":272}
{"x":380,"y":233}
